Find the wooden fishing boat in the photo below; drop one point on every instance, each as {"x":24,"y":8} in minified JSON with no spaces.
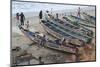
{"x":49,"y":43}
{"x":89,"y":18}
{"x":80,"y":21}
{"x":60,"y":32}
{"x":71,"y":27}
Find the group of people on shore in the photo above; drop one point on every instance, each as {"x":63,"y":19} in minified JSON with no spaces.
{"x":21,"y":20}
{"x":47,"y":15}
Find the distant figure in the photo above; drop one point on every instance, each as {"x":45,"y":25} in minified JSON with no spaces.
{"x":46,"y":15}
{"x":43,"y":40}
{"x":56,"y":15}
{"x":27,"y":25}
{"x":40,"y":16}
{"x":78,"y":14}
{"x":22,"y":18}
{"x":17,"y":18}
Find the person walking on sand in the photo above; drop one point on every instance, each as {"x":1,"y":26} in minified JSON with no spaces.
{"x":40,"y":16}
{"x":22,"y":18}
{"x":17,"y":18}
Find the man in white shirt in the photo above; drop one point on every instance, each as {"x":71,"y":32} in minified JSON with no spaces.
{"x":46,"y":15}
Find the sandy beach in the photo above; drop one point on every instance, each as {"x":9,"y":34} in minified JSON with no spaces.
{"x":19,"y":39}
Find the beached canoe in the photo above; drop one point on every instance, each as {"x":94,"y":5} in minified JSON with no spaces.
{"x":89,"y":18}
{"x":80,"y":21}
{"x":61,"y":32}
{"x":71,"y":27}
{"x":49,"y":43}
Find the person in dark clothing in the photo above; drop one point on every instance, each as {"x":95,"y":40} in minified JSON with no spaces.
{"x":40,"y":16}
{"x":17,"y":18}
{"x":22,"y":18}
{"x":43,"y":40}
{"x":56,"y":15}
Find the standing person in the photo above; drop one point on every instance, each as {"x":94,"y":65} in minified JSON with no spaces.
{"x":78,"y":14}
{"x":27,"y":25}
{"x":43,"y":40}
{"x":40,"y":16}
{"x":46,"y":15}
{"x":22,"y":18}
{"x":17,"y":18}
{"x":56,"y":15}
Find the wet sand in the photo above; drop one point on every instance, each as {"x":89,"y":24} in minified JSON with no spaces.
{"x":19,"y":39}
